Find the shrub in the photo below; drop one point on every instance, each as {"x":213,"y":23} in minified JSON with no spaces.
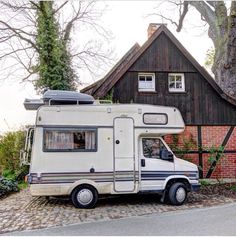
{"x":8,"y":174}
{"x":233,"y":188}
{"x":204,"y":182}
{"x":21,"y":173}
{"x":10,"y":145}
{"x":17,"y":175}
{"x":7,"y":186}
{"x":22,"y":185}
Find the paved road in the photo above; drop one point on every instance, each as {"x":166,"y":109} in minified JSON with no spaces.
{"x":218,"y":220}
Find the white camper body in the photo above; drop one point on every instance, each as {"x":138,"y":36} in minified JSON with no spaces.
{"x":87,"y":150}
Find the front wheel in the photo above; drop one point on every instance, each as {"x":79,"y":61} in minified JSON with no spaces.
{"x":84,"y":196}
{"x":177,"y":194}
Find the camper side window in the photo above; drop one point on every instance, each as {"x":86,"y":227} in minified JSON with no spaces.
{"x":152,"y":147}
{"x":70,"y":140}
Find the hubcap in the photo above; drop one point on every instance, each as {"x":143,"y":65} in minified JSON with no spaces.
{"x":180,"y":194}
{"x":85,"y":196}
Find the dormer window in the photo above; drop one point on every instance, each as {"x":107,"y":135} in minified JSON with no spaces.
{"x":176,"y":82}
{"x":146,"y":82}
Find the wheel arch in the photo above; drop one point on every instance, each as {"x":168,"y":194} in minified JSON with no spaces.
{"x":81,"y":183}
{"x":177,"y":179}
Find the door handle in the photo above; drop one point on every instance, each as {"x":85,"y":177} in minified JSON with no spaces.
{"x":143,"y":163}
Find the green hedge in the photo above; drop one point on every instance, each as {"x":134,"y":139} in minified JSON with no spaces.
{"x":10,"y":145}
{"x":11,"y":173}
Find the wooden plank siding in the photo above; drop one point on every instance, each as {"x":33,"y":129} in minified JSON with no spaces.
{"x":200,"y":104}
{"x":162,"y":55}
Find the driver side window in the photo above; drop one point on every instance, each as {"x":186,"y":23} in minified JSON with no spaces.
{"x":152,"y":147}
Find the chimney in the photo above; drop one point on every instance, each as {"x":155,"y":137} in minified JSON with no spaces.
{"x":153,"y":27}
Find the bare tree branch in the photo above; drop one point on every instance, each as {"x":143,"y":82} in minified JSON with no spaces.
{"x":15,"y":7}
{"x":33,"y":3}
{"x":60,"y":7}
{"x":69,"y":25}
{"x":206,"y":12}
{"x":87,"y":15}
{"x":182,"y":16}
{"x":19,"y":35}
{"x":17,"y":30}
{"x":166,"y":18}
{"x":13,"y":52}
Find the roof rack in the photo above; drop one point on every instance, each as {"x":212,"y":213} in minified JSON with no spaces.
{"x":58,"y":97}
{"x":103,"y":101}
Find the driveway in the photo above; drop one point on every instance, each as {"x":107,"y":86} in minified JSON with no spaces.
{"x":217,"y":221}
{"x":21,"y":211}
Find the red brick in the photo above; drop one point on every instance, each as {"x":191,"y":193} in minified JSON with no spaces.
{"x":212,"y":136}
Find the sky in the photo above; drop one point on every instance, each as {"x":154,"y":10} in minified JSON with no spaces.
{"x":128,"y":21}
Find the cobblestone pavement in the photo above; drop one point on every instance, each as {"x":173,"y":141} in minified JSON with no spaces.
{"x":21,"y":211}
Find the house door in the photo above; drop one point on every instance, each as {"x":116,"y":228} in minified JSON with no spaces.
{"x":124,"y":170}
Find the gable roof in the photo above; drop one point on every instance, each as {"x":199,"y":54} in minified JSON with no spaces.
{"x":102,"y":87}
{"x":95,"y":87}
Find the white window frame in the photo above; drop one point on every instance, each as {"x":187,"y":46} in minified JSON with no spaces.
{"x":146,"y":89}
{"x":68,"y":135}
{"x":176,"y":89}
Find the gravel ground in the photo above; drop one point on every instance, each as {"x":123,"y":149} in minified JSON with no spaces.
{"x":21,"y":211}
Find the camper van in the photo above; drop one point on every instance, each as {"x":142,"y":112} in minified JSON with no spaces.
{"x":84,"y":149}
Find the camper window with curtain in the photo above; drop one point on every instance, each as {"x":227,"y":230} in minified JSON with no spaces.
{"x":70,"y":140}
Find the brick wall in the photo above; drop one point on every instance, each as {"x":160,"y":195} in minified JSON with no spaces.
{"x":212,"y":138}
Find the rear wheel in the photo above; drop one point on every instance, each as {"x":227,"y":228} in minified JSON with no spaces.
{"x":177,"y":194}
{"x":84,"y":196}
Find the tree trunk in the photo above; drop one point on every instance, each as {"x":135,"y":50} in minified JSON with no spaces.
{"x":222,"y":31}
{"x":224,"y":66}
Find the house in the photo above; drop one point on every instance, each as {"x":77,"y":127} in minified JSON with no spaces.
{"x":162,"y":72}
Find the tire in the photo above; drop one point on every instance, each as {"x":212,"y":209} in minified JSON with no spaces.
{"x":177,"y":194}
{"x":84,"y":196}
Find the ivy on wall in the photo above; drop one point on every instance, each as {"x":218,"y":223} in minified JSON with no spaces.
{"x":184,"y":147}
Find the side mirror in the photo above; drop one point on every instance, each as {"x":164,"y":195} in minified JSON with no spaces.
{"x":166,"y":155}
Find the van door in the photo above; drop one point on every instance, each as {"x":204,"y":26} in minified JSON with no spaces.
{"x":154,"y":170}
{"x":124,"y":169}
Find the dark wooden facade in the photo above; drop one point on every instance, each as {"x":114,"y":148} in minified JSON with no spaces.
{"x":202,"y":103}
{"x":199,"y":105}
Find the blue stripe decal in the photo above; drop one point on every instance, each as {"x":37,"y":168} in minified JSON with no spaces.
{"x":67,"y":177}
